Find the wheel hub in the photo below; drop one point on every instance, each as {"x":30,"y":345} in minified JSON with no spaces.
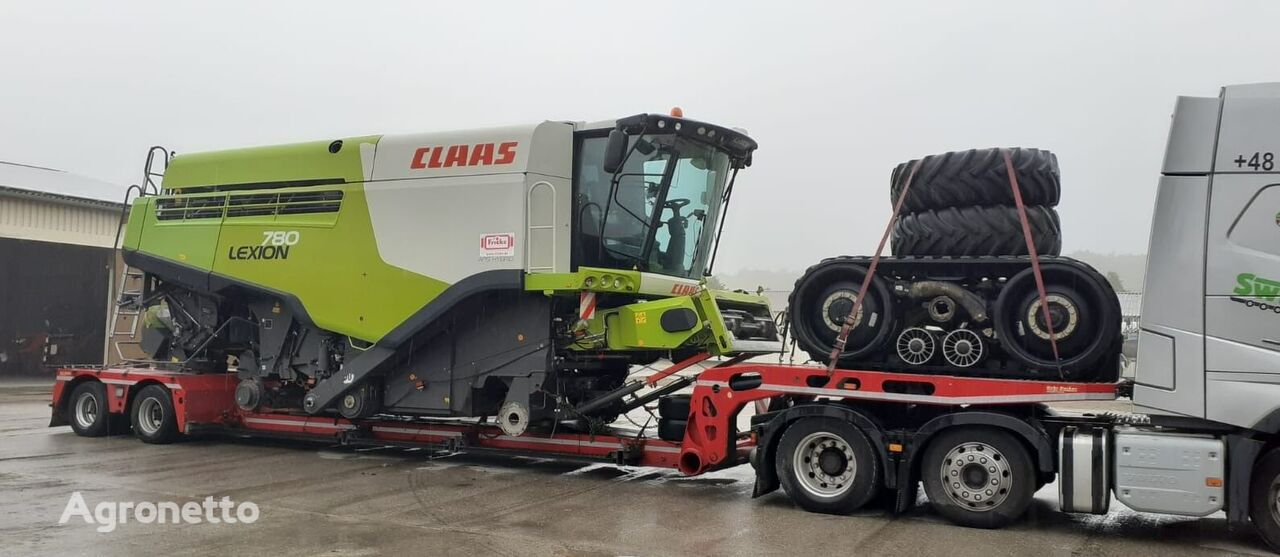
{"x":150,"y":416}
{"x":824,"y":465}
{"x":837,"y":307}
{"x":1064,"y":314}
{"x":86,"y":411}
{"x":916,"y":346}
{"x":962,"y":348}
{"x":832,"y":462}
{"x":976,"y":476}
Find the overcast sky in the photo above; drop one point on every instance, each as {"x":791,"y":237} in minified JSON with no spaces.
{"x":836,"y":93}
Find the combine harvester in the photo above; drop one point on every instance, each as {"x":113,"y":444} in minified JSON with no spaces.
{"x":498,"y":290}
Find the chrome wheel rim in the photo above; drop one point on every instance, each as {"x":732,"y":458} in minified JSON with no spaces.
{"x":150,"y":415}
{"x":962,"y":348}
{"x":87,"y":411}
{"x":976,"y":476}
{"x":824,"y":465}
{"x":915,"y":346}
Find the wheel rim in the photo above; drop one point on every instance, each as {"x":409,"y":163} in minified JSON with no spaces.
{"x":976,"y":476}
{"x":836,"y":308}
{"x":962,"y":348}
{"x":915,"y":346}
{"x":1274,"y":499}
{"x":150,"y":415}
{"x":824,"y":465}
{"x":1064,"y":313}
{"x":87,"y":411}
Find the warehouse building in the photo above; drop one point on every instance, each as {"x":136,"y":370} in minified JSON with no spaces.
{"x":57,"y":241}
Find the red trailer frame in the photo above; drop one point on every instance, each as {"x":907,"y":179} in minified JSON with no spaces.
{"x":205,"y":402}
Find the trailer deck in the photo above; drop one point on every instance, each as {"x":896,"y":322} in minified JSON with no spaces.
{"x":204,"y":403}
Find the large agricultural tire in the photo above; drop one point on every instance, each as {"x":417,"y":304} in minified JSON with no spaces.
{"x":975,"y":231}
{"x":977,"y":177}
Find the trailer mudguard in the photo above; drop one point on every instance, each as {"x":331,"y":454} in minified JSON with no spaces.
{"x":771,"y":432}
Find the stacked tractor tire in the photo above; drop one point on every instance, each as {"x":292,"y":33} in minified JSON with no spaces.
{"x":959,"y":294}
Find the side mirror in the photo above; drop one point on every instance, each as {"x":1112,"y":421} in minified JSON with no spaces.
{"x":616,"y":151}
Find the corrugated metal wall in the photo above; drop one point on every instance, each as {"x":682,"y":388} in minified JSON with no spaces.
{"x":50,"y":220}
{"x":54,"y":281}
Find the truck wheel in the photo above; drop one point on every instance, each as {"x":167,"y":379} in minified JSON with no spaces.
{"x":87,"y":411}
{"x":976,"y":231}
{"x":154,"y":420}
{"x":981,"y":478}
{"x":827,"y":466}
{"x":1264,"y":498}
{"x":977,"y":177}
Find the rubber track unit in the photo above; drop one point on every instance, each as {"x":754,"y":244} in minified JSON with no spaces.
{"x":975,"y":232}
{"x":977,"y":177}
{"x":971,"y":272}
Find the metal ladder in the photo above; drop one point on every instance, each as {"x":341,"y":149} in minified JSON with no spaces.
{"x":132,"y":282}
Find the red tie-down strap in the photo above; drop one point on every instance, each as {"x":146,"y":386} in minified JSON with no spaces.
{"x":1035,"y":259}
{"x":843,"y":337}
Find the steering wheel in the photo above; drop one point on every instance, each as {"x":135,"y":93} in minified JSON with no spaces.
{"x":676,"y":205}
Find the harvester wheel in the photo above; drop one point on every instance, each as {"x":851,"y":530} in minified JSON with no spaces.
{"x":821,"y":300}
{"x":976,"y":231}
{"x":977,"y":177}
{"x":1083,"y":310}
{"x":827,"y":466}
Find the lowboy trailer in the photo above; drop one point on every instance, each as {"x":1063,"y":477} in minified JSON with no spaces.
{"x":869,"y":428}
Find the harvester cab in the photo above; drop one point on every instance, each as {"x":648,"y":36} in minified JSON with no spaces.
{"x":522,"y":269}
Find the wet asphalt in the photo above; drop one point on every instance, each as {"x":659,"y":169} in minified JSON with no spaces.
{"x":331,"y":500}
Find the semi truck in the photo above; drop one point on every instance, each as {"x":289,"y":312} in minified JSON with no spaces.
{"x":600,"y":282}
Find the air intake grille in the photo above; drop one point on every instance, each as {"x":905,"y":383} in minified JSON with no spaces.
{"x":192,"y":207}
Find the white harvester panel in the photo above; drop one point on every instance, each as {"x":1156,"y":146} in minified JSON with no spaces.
{"x":1169,"y":473}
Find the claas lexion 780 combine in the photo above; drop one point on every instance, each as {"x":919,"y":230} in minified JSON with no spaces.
{"x":517,"y":271}
{"x":522,"y":272}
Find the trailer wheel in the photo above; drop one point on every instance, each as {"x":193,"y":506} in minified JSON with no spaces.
{"x":154,"y":420}
{"x":87,"y":413}
{"x":978,"y":477}
{"x":1264,"y":498}
{"x":827,"y":466}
